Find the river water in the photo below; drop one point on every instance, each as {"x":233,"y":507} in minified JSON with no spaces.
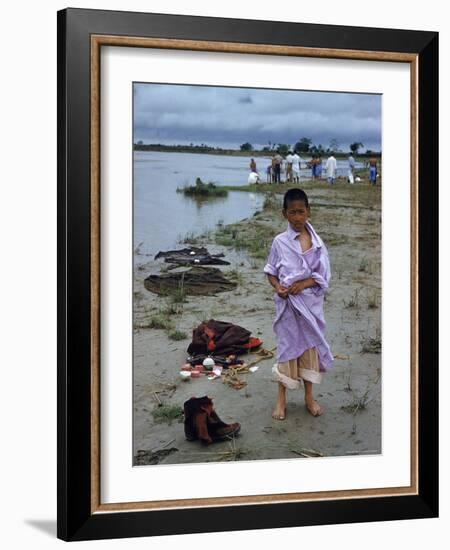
{"x":162,"y":217}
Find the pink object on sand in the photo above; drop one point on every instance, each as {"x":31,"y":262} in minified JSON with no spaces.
{"x":199,"y":368}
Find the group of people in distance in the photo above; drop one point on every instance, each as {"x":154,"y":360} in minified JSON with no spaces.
{"x":291,"y":166}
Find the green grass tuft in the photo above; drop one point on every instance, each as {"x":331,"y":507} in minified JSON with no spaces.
{"x":168,"y":413}
{"x":177,"y":335}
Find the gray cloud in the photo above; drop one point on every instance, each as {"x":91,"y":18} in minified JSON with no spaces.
{"x":228,"y":117}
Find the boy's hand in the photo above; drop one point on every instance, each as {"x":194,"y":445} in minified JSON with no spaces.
{"x":296,"y":287}
{"x":282,"y":291}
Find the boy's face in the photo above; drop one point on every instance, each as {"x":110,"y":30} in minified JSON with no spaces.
{"x":297,"y":214}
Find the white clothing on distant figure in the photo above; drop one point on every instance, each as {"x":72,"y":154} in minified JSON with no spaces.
{"x":331,"y":167}
{"x":296,"y":163}
{"x":253,"y":177}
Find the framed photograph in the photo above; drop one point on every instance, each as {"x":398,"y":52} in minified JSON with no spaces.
{"x":247,"y":255}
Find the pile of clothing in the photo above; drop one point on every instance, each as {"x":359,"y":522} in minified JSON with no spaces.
{"x":219,"y":338}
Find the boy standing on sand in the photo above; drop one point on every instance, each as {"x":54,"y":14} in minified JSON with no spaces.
{"x":298,"y":268}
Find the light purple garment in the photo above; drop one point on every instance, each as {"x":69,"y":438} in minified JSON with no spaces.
{"x":299,"y":321}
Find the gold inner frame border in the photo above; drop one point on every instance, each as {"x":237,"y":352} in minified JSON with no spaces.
{"x":97,"y":41}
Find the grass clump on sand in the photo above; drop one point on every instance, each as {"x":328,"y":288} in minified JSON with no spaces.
{"x":202,"y":189}
{"x":177,"y":335}
{"x":168,"y":413}
{"x":175,"y":296}
{"x":178,"y":295}
{"x":236,"y":276}
{"x":358,"y":403}
{"x":371,"y":345}
{"x":353,"y":302}
{"x":172,"y":309}
{"x":372,"y":301}
{"x":363,"y":265}
{"x":160,"y":321}
{"x":271,"y":202}
{"x":254,"y":237}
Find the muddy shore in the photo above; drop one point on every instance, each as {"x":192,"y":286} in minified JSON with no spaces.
{"x":348,"y":218}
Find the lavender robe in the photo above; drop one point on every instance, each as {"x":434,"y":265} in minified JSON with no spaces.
{"x":299,"y":321}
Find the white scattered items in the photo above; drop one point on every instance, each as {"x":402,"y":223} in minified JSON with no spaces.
{"x":253,"y":177}
{"x":253,"y":369}
{"x":208,"y":362}
{"x":192,"y":253}
{"x":357,"y":178}
{"x":196,"y":261}
{"x":185,"y":374}
{"x":217,"y":370}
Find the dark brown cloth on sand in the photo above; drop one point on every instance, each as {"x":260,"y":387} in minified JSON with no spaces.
{"x":219,"y":337}
{"x":199,"y":281}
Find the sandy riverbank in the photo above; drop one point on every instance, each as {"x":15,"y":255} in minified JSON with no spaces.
{"x":348,"y":218}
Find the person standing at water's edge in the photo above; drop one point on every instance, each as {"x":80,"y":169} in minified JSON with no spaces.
{"x":373,"y":170}
{"x":330,"y":169}
{"x":313,"y":164}
{"x":269,"y":174}
{"x":351,"y":169}
{"x":298,"y":268}
{"x":253,"y":176}
{"x":295,"y":167}
{"x":278,"y":159}
{"x":319,"y":167}
{"x":274,"y":169}
{"x":289,"y":161}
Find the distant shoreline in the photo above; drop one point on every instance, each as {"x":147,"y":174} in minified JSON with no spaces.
{"x":232,"y":152}
{"x":201,"y":150}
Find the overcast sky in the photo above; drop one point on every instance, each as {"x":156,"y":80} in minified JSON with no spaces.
{"x":228,"y":117}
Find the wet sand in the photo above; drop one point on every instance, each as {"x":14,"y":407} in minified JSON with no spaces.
{"x":348,"y":218}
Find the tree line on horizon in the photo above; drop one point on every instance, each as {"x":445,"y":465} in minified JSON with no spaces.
{"x":303,"y":146}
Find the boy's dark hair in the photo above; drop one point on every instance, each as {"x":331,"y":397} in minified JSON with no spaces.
{"x":295,"y":194}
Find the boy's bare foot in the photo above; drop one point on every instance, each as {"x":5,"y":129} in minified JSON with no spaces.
{"x":313,"y":407}
{"x":279,"y":412}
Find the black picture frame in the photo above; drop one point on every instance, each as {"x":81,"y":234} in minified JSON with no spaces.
{"x":76,"y":518}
